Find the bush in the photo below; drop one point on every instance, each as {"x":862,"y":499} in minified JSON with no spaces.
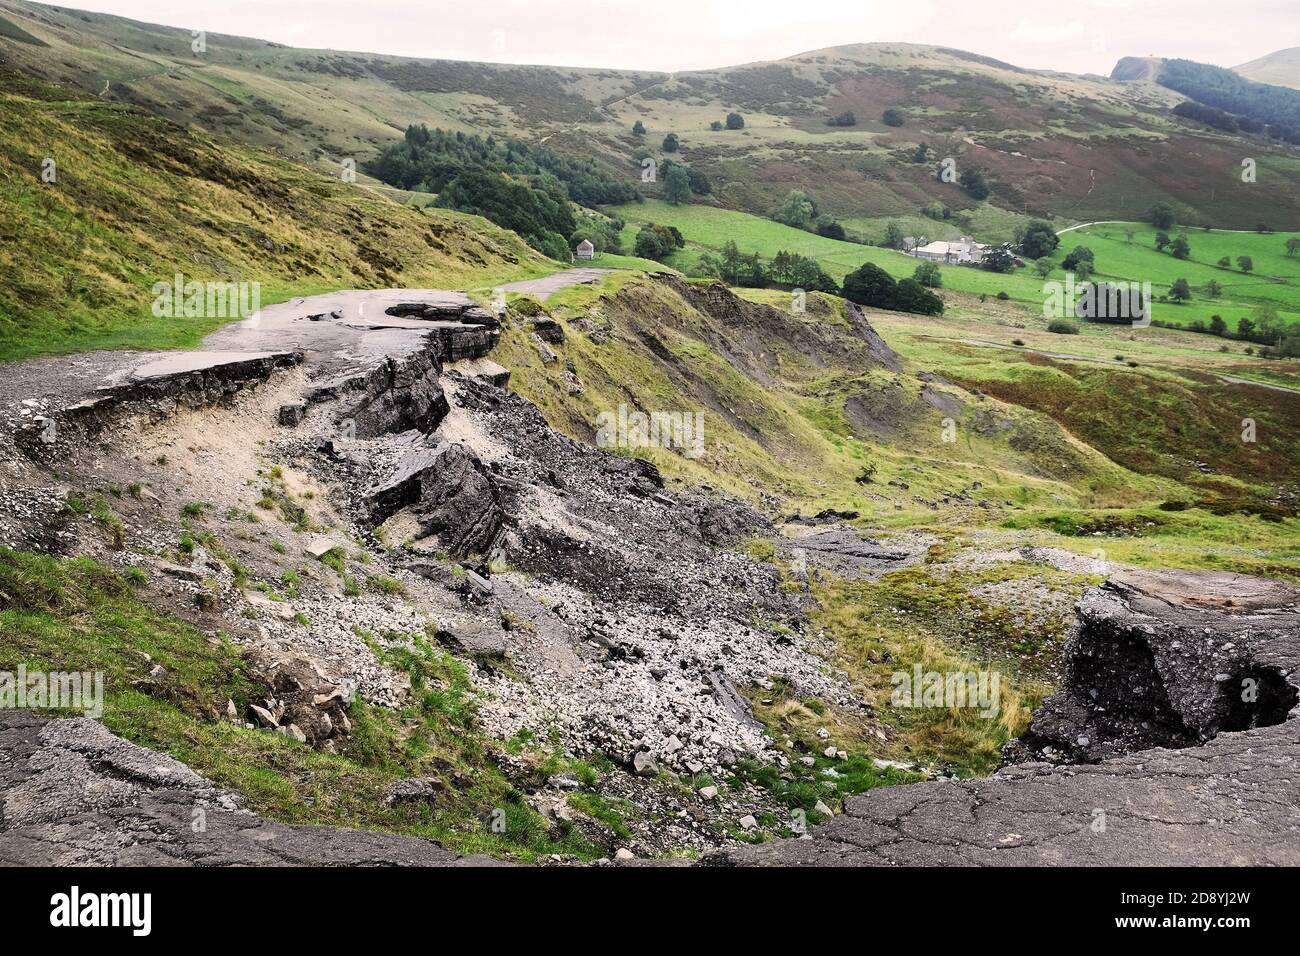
{"x":735,"y":121}
{"x":830,"y":229}
{"x":893,"y":117}
{"x":911,"y":296}
{"x":973,"y":181}
{"x":1075,"y":256}
{"x":1062,"y":327}
{"x":657,"y":242}
{"x":847,"y":118}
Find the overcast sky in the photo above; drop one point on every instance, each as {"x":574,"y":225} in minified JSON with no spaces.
{"x":1074,"y":35}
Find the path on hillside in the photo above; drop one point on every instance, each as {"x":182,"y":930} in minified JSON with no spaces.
{"x":1068,"y":357}
{"x":1120,"y":222}
{"x":1085,"y":225}
{"x":542,"y":289}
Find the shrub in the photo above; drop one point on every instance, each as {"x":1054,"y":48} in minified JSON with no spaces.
{"x":1062,"y":327}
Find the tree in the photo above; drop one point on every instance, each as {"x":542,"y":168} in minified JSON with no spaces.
{"x":1037,"y":239}
{"x":1245,"y":263}
{"x":799,"y":272}
{"x":921,"y":154}
{"x":1161,"y":215}
{"x":1224,"y":263}
{"x":1179,"y":249}
{"x":928,"y":274}
{"x":1043,"y":267}
{"x":1213,"y":289}
{"x":893,"y":236}
{"x":1292,"y":246}
{"x":677,"y":185}
{"x":537,"y":211}
{"x":671,"y":143}
{"x":847,"y":118}
{"x":911,"y":296}
{"x":735,"y":121}
{"x":716,"y":125}
{"x":999,"y":259}
{"x":936,"y":211}
{"x":973,"y":181}
{"x":870,"y":285}
{"x":798,"y":210}
{"x":1075,"y":256}
{"x":1162,"y":240}
{"x":736,"y":269}
{"x":1083,"y":269}
{"x":638,"y":128}
{"x":893,"y":117}
{"x":1217,"y":325}
{"x":1180,"y":291}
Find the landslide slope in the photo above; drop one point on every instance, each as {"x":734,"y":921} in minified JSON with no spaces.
{"x":806,"y":410}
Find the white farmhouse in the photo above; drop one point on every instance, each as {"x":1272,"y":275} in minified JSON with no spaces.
{"x":957,"y":251}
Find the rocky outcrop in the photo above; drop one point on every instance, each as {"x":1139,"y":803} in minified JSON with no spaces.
{"x":73,"y":794}
{"x":450,"y":494}
{"x":303,"y":702}
{"x":1158,"y":658}
{"x":392,"y":395}
{"x":1170,"y":659}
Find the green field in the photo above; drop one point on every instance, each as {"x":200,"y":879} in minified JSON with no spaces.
{"x":1275,"y":281}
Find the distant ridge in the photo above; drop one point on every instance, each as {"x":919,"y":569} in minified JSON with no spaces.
{"x":1280,"y":69}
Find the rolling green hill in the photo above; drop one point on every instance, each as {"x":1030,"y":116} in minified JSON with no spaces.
{"x":1275,"y":280}
{"x":135,"y":201}
{"x":1079,"y":148}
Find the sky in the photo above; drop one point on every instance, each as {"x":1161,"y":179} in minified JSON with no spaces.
{"x":1078,"y":36}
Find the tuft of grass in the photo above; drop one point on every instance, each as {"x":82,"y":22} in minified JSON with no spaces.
{"x":385,"y":585}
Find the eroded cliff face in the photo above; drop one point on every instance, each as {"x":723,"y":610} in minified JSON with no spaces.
{"x":367,"y":483}
{"x":1161,"y":659}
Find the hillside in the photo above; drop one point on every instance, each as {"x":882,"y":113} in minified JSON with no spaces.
{"x":1080,"y":148}
{"x":136,"y":201}
{"x":1281,"y":68}
{"x":455,"y":552}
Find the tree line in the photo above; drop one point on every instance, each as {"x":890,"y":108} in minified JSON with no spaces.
{"x":520,"y":186}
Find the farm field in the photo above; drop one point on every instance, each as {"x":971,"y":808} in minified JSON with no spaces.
{"x":1274,"y":282}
